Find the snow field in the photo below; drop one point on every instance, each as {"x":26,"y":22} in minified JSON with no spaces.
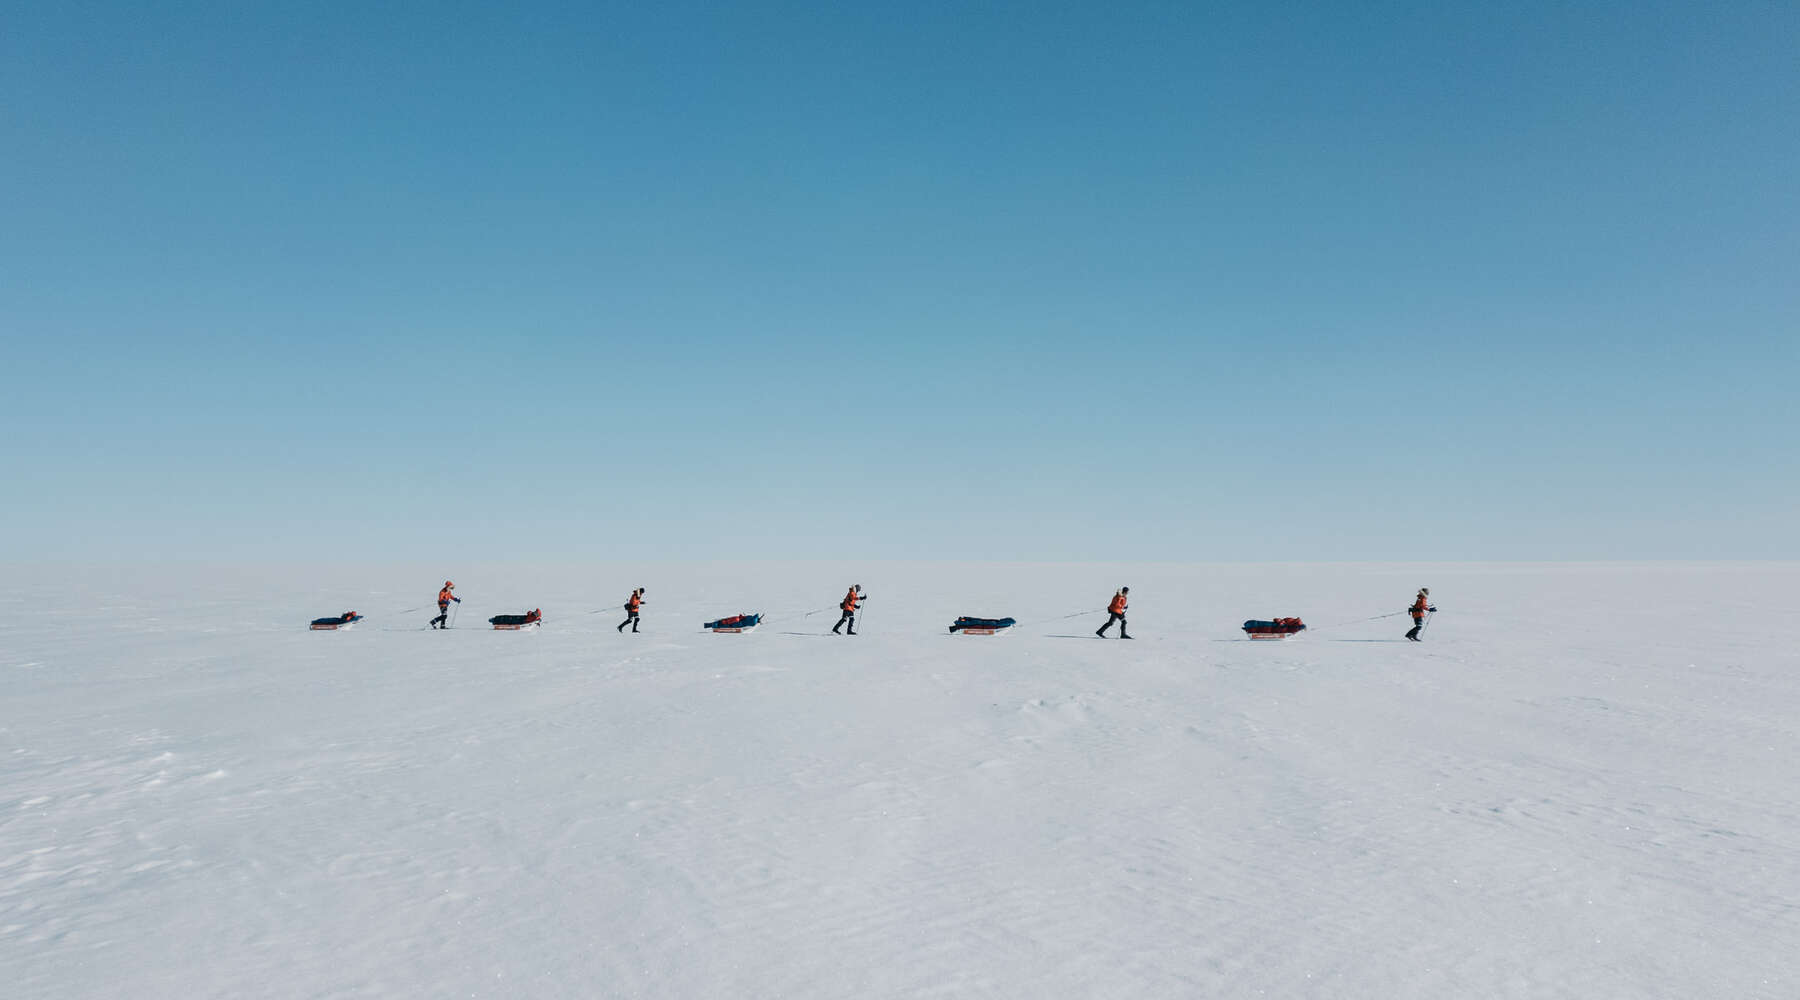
{"x":1583,"y":784}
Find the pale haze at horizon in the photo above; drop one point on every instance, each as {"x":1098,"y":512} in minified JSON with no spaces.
{"x":1021,"y":282}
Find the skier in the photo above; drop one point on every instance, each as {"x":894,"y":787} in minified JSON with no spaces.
{"x":1420,"y":605}
{"x":848,"y":606}
{"x":445,"y":596}
{"x":1115,"y":612}
{"x":631,"y":610}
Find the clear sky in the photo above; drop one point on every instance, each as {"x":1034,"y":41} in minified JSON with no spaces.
{"x":1140,"y":281}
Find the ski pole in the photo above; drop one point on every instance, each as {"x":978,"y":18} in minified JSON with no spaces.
{"x":1429,"y":615}
{"x":453,"y":610}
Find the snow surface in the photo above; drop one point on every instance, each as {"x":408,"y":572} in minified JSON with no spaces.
{"x":1583,"y":784}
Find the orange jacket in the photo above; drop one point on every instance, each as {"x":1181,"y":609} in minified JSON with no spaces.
{"x":445,"y":596}
{"x":1419,"y":606}
{"x":851,"y":599}
{"x":1117,"y":607}
{"x":632,"y":605}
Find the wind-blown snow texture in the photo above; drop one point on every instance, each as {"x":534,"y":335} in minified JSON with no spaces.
{"x":1585,"y":783}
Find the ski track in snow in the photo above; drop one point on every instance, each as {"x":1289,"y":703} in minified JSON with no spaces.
{"x":1583,"y":784}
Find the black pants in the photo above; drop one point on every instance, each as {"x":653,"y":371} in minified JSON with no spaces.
{"x":443,"y":617}
{"x":848,"y":616}
{"x":1418,"y":623}
{"x":630,"y":619}
{"x":1112,"y":616}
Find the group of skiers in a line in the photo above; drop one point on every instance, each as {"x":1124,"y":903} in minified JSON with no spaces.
{"x":1115,"y":610}
{"x":849,"y":605}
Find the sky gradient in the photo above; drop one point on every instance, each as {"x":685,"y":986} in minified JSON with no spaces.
{"x":1141,"y":281}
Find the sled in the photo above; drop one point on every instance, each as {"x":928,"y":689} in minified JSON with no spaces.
{"x":513,"y":623}
{"x":1280,"y":628}
{"x":981,"y":626}
{"x":342,"y":621}
{"x":736,"y":623}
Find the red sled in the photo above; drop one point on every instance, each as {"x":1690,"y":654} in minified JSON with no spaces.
{"x":735,"y":623}
{"x":344,"y":620}
{"x":981,"y":626}
{"x":513,"y":623}
{"x":1280,"y":628}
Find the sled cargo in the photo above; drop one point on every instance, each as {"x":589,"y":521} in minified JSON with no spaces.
{"x":342,"y":621}
{"x":981,"y":626}
{"x":1280,"y":628}
{"x":735,"y":623}
{"x":512,"y":623}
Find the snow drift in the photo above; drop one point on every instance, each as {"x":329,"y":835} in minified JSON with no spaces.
{"x":1585,"y":783}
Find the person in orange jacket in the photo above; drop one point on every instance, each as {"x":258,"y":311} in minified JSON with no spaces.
{"x":1420,"y":605}
{"x":631,"y":610}
{"x":848,"y":606}
{"x":445,"y":596}
{"x":1115,"y":612}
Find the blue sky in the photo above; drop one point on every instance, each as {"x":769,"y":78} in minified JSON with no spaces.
{"x":1024,"y":281}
